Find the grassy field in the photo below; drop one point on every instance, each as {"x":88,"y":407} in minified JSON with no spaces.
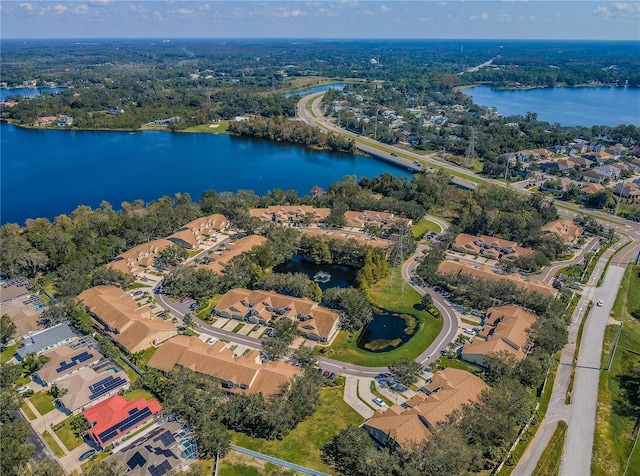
{"x":549,"y":464}
{"x":8,"y":352}
{"x":302,"y":445}
{"x":66,"y":435}
{"x":42,"y":402}
{"x":238,"y":464}
{"x":393,"y":299}
{"x":28,"y":411}
{"x":424,"y":226}
{"x":55,"y":447}
{"x":222,"y":127}
{"x":139,"y":393}
{"x":615,"y":420}
{"x":133,"y":376}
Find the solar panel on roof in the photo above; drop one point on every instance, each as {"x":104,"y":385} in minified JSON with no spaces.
{"x":162,"y":468}
{"x":166,"y":438}
{"x":136,"y":460}
{"x":133,"y":420}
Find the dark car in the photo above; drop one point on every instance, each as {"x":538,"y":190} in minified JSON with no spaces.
{"x":326,"y":374}
{"x":332,"y":375}
{"x":87,"y":454}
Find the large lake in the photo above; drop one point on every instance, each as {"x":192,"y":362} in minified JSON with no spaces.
{"x":568,"y":106}
{"x":45,"y":173}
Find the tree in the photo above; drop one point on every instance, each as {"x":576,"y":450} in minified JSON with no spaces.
{"x":79,"y":425}
{"x":7,"y":329}
{"x":108,"y":276}
{"x":103,"y":468}
{"x":284,"y":333}
{"x":426,"y":301}
{"x":14,"y":448}
{"x":357,"y":309}
{"x":306,"y":356}
{"x":347,"y":451}
{"x":172,"y":256}
{"x":406,"y":370}
{"x":32,"y":363}
{"x":41,"y":467}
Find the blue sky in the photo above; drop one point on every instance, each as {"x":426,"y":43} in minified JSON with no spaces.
{"x":500,"y":19}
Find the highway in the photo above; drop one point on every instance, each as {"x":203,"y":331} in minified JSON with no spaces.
{"x":581,"y":414}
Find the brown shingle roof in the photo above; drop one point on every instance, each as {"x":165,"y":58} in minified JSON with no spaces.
{"x":566,"y":229}
{"x":126,"y":323}
{"x":485,"y":272}
{"x":218,"y":361}
{"x":247,"y":243}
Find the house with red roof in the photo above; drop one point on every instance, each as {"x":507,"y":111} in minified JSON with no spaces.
{"x":115,"y":417}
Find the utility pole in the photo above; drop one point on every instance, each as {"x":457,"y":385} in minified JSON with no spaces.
{"x":398,"y":256}
{"x":619,"y":198}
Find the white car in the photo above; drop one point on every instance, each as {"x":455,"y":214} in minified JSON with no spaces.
{"x":600,"y":303}
{"x":378,"y":401}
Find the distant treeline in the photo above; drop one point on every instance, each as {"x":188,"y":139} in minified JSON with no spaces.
{"x":279,"y":129}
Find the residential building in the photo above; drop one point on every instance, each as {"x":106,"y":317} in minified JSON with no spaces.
{"x":599,"y":157}
{"x":64,"y":361}
{"x":627,"y":190}
{"x":131,"y":327}
{"x":359,"y":238}
{"x":565,"y":229}
{"x":194,"y":233}
{"x":593,"y":176}
{"x":608,"y":170}
{"x":485,"y":272}
{"x":243,"y":374}
{"x":507,"y":328}
{"x":291,"y":214}
{"x":23,"y":309}
{"x":218,"y":260}
{"x":45,"y":340}
{"x":140,"y":258}
{"x":158,"y":452}
{"x":115,"y":418}
{"x":449,"y":390}
{"x":315,"y":322}
{"x":489,"y":247}
{"x":87,"y":387}
{"x":14,"y":288}
{"x":383,"y":219}
{"x":591,"y":188}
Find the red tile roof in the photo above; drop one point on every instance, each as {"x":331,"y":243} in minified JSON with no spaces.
{"x":113,"y":411}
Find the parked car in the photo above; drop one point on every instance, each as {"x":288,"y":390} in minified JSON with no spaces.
{"x":378,"y":401}
{"x":326,"y":374}
{"x":87,"y":454}
{"x":24,"y":389}
{"x":600,"y":303}
{"x":332,"y":375}
{"x":256,"y":327}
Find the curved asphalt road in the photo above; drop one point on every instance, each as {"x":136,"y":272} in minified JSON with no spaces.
{"x":431,"y":354}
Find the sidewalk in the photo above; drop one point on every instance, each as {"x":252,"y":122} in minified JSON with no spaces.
{"x":351,"y":397}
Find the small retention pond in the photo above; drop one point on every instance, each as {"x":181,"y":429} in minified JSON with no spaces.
{"x":387,"y":331}
{"x":326,"y":275}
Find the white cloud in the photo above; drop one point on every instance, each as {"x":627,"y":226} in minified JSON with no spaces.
{"x":57,"y":9}
{"x":27,"y":6}
{"x":482,"y":16}
{"x":385,"y":9}
{"x":505,"y":18}
{"x":206,"y":6}
{"x":99,"y":2}
{"x":184,"y":11}
{"x":81,"y":9}
{"x":628,"y":7}
{"x":602,"y":11}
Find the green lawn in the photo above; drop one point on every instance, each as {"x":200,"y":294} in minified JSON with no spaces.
{"x":66,"y":435}
{"x":133,"y":376}
{"x":139,"y":393}
{"x":424,"y":226}
{"x":55,"y":447}
{"x":8,"y":352}
{"x":614,"y":421}
{"x":240,"y":469}
{"x":222,"y":128}
{"x":28,"y":411}
{"x":302,"y":445}
{"x":393,"y":299}
{"x":146,"y":356}
{"x":42,"y":402}
{"x":549,"y":464}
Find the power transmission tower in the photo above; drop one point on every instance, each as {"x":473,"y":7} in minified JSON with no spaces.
{"x":470,"y":154}
{"x":399,"y":254}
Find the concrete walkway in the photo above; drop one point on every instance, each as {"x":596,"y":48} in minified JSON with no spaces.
{"x":351,"y":397}
{"x":286,"y":464}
